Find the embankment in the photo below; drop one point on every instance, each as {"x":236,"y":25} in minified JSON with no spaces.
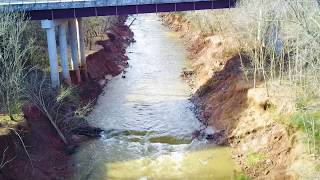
{"x":32,"y":150}
{"x":111,"y":60}
{"x":241,"y":115}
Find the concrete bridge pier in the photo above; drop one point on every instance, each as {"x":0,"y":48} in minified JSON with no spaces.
{"x":76,"y":44}
{"x":64,"y":52}
{"x":73,"y":31}
{"x":49,"y":26}
{"x":82,"y":48}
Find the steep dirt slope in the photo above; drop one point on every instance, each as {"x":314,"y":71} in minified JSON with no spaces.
{"x":111,"y":59}
{"x":40,"y":154}
{"x":228,"y":103}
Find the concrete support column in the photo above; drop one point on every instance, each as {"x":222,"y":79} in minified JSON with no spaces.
{"x":82,"y":48}
{"x":49,"y":26}
{"x":73,"y":30}
{"x":64,"y":52}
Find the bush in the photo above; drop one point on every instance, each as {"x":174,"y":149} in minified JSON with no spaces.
{"x":59,"y":106}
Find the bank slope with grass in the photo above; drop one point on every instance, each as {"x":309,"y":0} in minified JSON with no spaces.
{"x":257,"y":115}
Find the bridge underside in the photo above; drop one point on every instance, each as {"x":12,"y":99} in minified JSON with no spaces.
{"x":66,"y":16}
{"x":128,"y":9}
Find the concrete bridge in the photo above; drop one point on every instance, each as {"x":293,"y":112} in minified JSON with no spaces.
{"x":67,"y":14}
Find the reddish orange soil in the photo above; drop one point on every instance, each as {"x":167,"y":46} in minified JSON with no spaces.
{"x":227,"y":102}
{"x":49,"y":156}
{"x":111,"y":59}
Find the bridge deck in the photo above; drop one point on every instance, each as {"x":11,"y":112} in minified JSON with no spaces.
{"x":56,"y":9}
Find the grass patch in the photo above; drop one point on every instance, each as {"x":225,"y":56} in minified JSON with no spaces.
{"x":309,"y":122}
{"x":283,"y":118}
{"x":5,"y":118}
{"x":242,"y":176}
{"x":254,"y":158}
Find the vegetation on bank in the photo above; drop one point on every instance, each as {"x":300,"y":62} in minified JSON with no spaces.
{"x":30,"y":110}
{"x":34,"y":118}
{"x":281,"y":40}
{"x":23,"y":53}
{"x":15,"y":50}
{"x":24,"y":75}
{"x":96,"y":28}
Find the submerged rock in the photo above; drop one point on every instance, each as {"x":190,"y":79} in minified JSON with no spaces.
{"x":88,"y":131}
{"x":218,"y":138}
{"x":208,"y":133}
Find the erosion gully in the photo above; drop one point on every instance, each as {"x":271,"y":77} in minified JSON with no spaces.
{"x":148,"y":118}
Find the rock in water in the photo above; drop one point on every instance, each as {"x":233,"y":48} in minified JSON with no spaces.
{"x":218,"y":138}
{"x":88,"y":131}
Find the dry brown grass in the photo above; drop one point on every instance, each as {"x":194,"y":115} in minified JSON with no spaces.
{"x":281,"y":39}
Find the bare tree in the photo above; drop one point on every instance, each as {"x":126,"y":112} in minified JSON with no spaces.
{"x":97,"y":27}
{"x":281,"y":38}
{"x":12,"y":60}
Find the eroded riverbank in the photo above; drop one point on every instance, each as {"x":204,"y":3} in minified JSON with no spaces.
{"x":262,"y":146}
{"x":149,"y":119}
{"x":32,"y":149}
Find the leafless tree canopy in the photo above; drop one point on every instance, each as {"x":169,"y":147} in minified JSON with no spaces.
{"x":14,"y":50}
{"x":282,"y":40}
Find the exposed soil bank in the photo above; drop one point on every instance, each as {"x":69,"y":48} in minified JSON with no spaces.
{"x":40,"y":154}
{"x":111,"y":60}
{"x":239,"y":113}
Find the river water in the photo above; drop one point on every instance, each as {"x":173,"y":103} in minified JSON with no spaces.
{"x":149,"y":119}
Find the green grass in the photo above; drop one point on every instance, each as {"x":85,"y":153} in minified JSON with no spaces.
{"x":305,"y":118}
{"x":242,"y":176}
{"x":254,"y":158}
{"x":308,"y":121}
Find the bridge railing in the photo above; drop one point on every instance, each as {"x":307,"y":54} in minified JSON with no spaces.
{"x":28,"y":5}
{"x":60,"y":9}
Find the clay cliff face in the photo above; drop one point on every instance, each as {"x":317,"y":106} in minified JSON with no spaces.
{"x":111,"y":60}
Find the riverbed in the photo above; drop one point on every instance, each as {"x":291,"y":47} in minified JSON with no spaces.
{"x":148,"y":118}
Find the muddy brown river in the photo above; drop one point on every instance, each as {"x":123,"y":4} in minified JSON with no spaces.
{"x":149,"y":119}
